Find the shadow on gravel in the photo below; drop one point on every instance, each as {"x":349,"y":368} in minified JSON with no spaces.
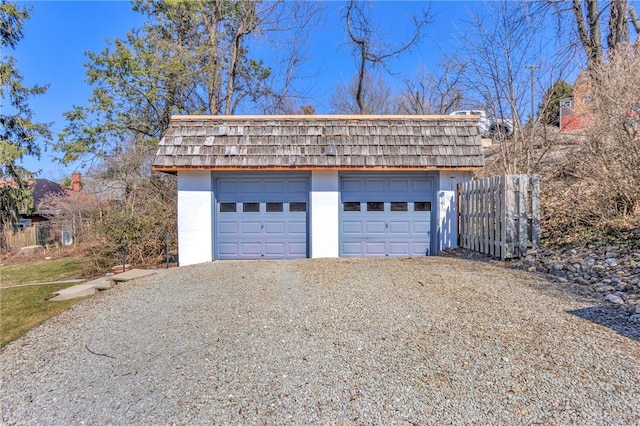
{"x":610,"y":317}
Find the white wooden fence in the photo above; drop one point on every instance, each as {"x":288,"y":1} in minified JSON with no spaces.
{"x":500,"y":215}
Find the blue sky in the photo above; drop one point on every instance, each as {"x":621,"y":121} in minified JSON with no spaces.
{"x":59,"y":33}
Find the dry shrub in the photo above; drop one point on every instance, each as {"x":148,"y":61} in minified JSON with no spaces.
{"x":595,"y":190}
{"x":138,"y":225}
{"x":124,"y":208}
{"x":610,"y":160}
{"x":528,"y":151}
{"x":144,"y":212}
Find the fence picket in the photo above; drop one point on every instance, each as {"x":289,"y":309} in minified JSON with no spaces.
{"x":495,"y":232}
{"x":535,"y":207}
{"x":523,"y":217}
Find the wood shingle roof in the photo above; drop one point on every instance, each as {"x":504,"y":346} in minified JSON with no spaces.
{"x":310,"y":142}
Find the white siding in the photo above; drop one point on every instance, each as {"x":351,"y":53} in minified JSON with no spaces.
{"x":323,"y":214}
{"x":195,"y":217}
{"x":447,"y":208}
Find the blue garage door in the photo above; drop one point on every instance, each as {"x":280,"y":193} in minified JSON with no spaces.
{"x":261,"y":217}
{"x":386,"y":215}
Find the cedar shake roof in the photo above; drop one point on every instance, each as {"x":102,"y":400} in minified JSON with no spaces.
{"x":316,"y":142}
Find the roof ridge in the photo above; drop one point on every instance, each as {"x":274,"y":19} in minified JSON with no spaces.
{"x":326,"y":117}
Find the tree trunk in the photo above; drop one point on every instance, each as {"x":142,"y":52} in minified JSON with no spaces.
{"x":359,"y":91}
{"x":232,"y":73}
{"x":212,"y":21}
{"x":635,"y":21}
{"x":589,"y":31}
{"x":618,"y":25}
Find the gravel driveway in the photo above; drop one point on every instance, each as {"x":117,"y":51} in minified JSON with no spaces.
{"x":349,"y":341}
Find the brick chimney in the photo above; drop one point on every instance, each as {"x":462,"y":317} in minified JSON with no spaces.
{"x":76,"y":182}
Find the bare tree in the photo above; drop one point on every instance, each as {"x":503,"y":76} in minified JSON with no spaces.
{"x":376,"y":97}
{"x":285,"y":26}
{"x":596,"y":185}
{"x":504,"y":58}
{"x":610,"y":159}
{"x":369,"y":52}
{"x":281,"y":92}
{"x":592,"y":19}
{"x":588,"y":27}
{"x":430,"y":93}
{"x":635,"y":21}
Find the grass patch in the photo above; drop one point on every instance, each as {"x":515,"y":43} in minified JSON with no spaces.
{"x":22,"y":308}
{"x":41,"y":271}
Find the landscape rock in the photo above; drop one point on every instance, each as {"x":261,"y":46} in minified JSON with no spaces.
{"x":613,"y":298}
{"x":31,"y":250}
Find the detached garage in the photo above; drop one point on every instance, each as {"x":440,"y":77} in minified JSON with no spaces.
{"x":280,"y":187}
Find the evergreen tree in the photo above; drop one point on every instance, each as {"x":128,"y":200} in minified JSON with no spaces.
{"x":549,"y":109}
{"x":189,"y":57}
{"x":18,"y":132}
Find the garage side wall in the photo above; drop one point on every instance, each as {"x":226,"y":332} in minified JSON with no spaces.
{"x":195,"y":213}
{"x":324,"y":214}
{"x":447,"y":229}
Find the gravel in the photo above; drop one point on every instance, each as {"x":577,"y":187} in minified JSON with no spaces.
{"x":610,"y":273}
{"x":328,"y":341}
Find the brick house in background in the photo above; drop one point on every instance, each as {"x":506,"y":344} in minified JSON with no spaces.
{"x":45,"y":192}
{"x":49,"y":219}
{"x":575,"y":112}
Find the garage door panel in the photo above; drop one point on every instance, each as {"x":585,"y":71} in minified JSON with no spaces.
{"x":274,"y":186}
{"x":352,"y":249}
{"x":421,"y":186}
{"x":274,"y":228}
{"x":420,"y":249}
{"x":297,"y":250}
{"x":300,"y":186}
{"x":297,"y":228}
{"x":399,"y":185}
{"x":228,"y":249}
{"x":375,"y":227}
{"x":399,"y":248}
{"x":375,"y":248}
{"x":352,"y":185}
{"x":250,"y":187}
{"x":352,"y":227}
{"x":375,"y":185}
{"x":274,"y":249}
{"x":250,"y":228}
{"x":228,"y":228}
{"x":399,"y":227}
{"x":250,"y":249}
{"x":421,"y":227}
{"x":228,"y":187}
